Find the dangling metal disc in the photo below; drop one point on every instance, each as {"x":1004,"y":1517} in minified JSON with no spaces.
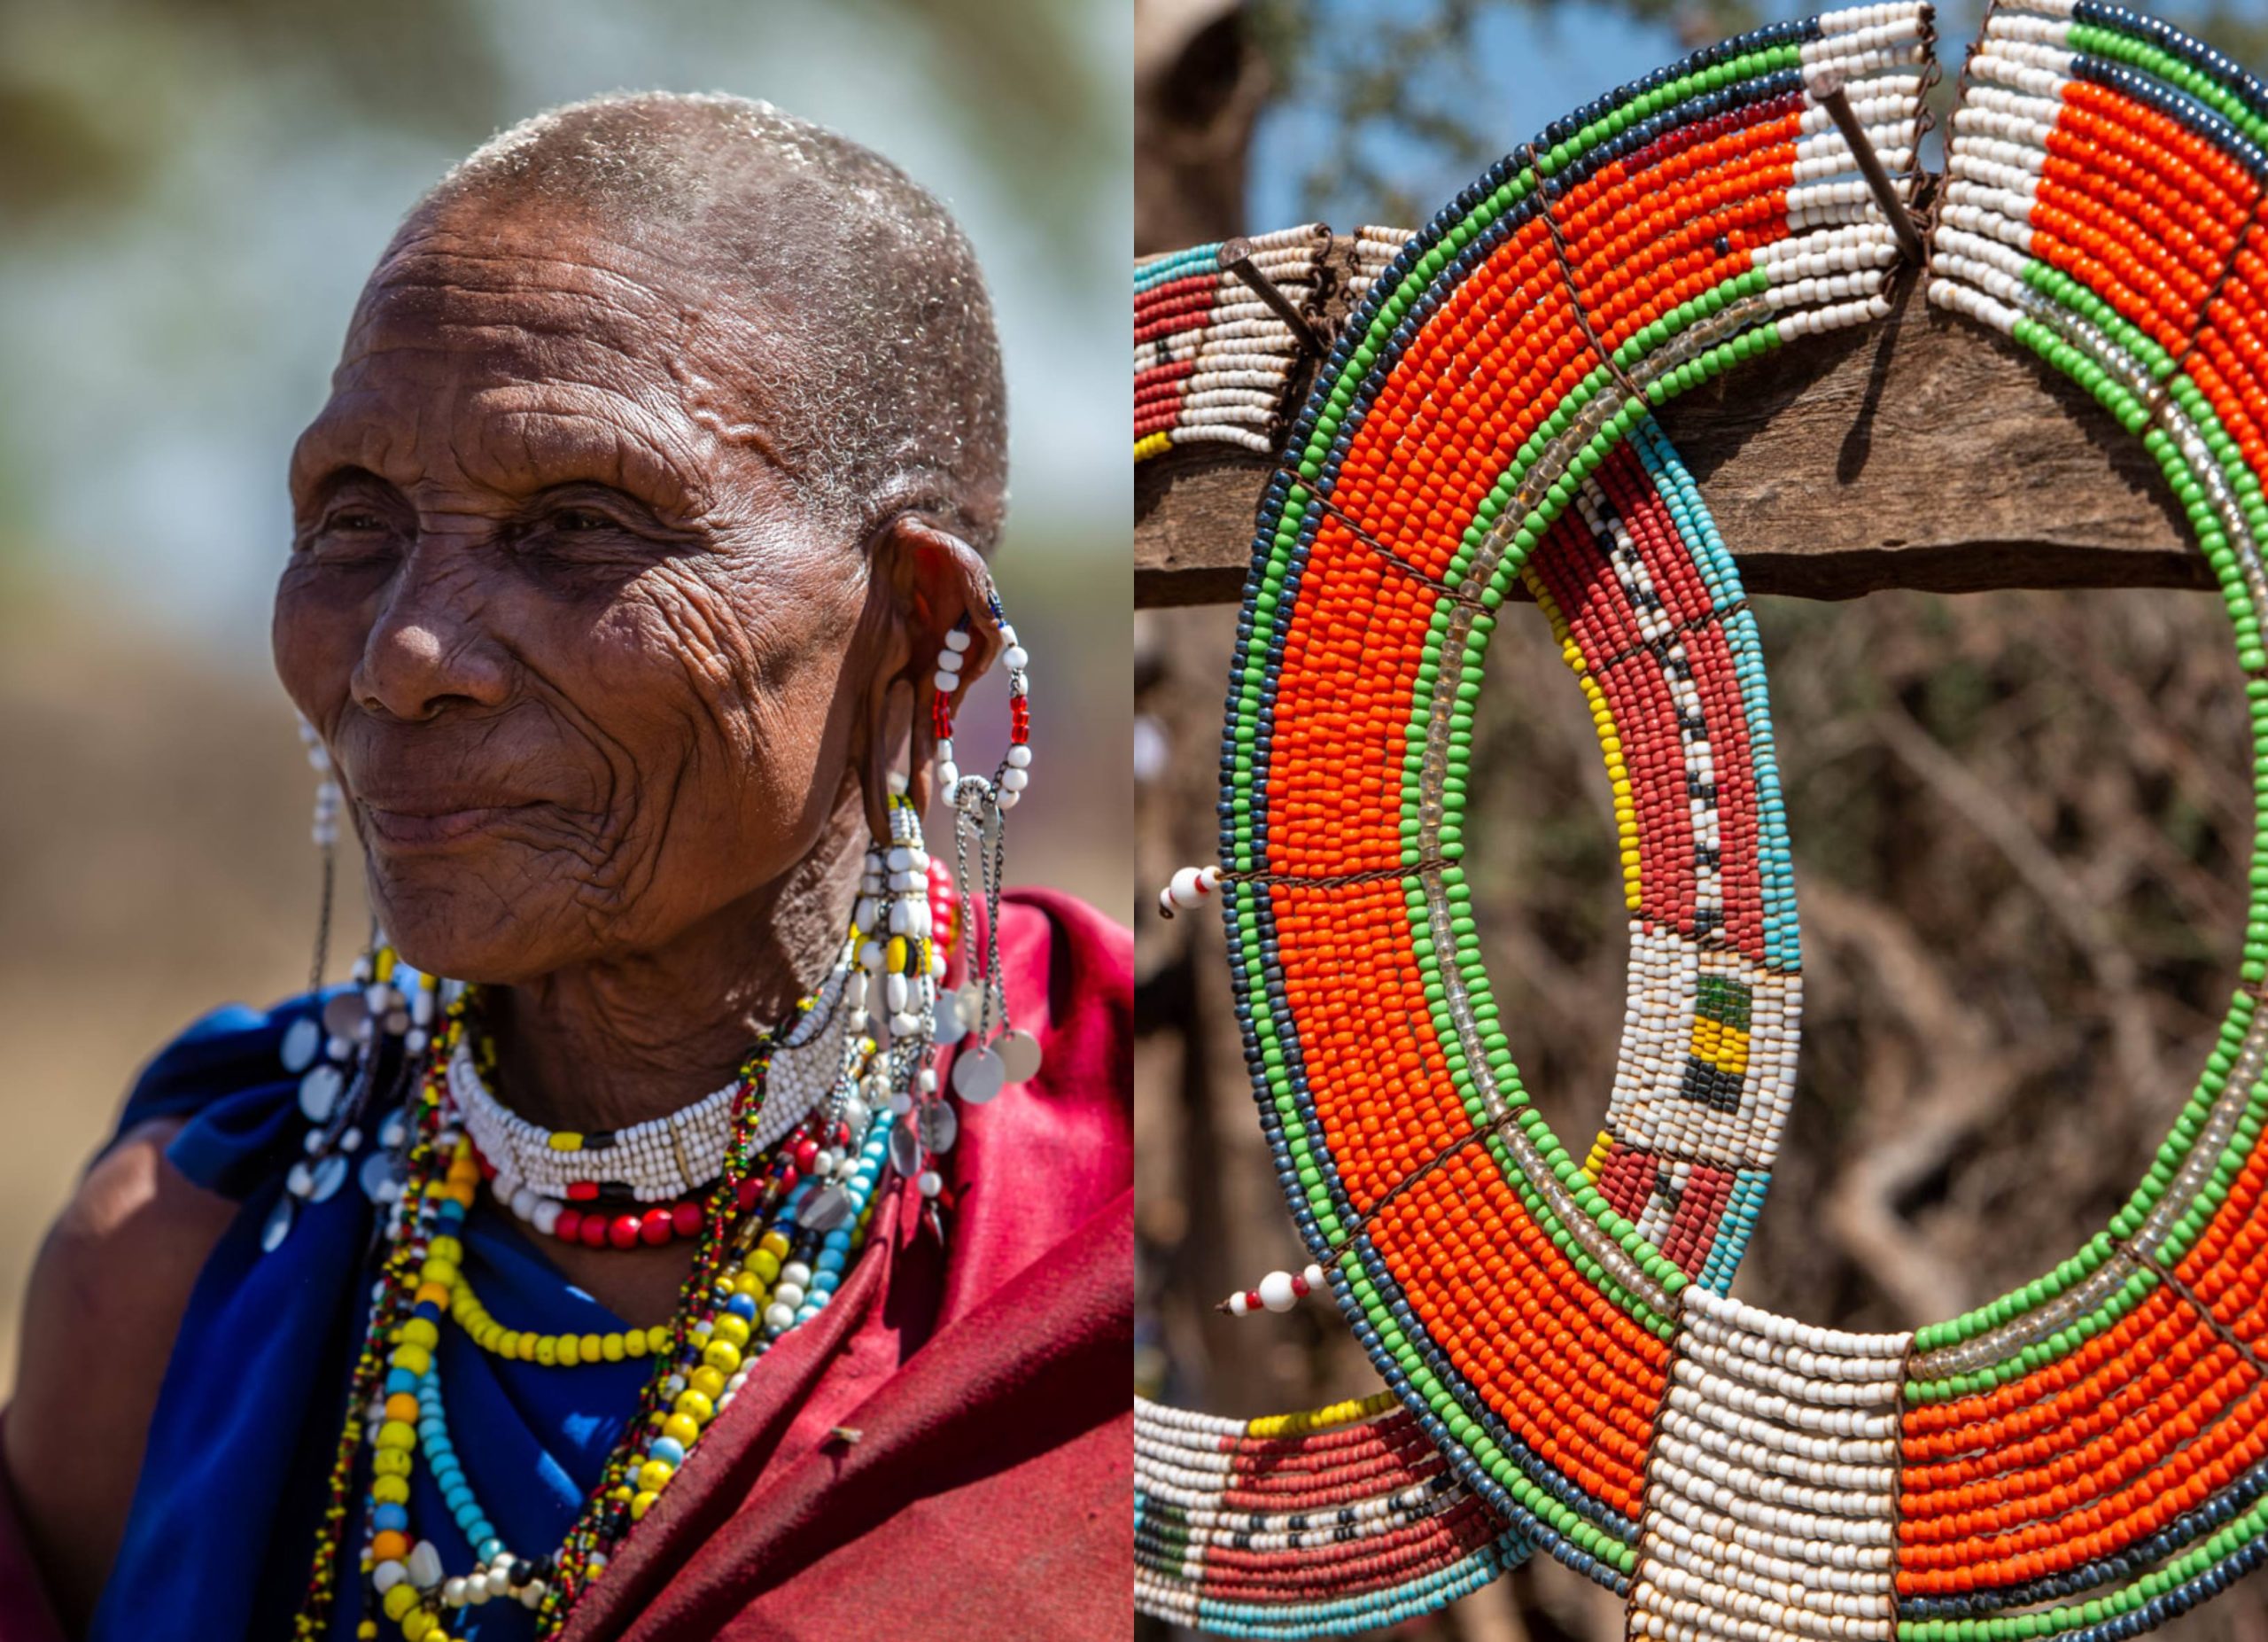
{"x":329,"y":1175}
{"x":278,"y":1226}
{"x":343,"y":1013}
{"x":905,"y":1149}
{"x":826,"y":1208}
{"x":319,"y":1092}
{"x":302,"y":1042}
{"x":937,"y":1126}
{"x":978,"y":1076}
{"x":950,"y":1029}
{"x":381,"y":1176}
{"x":1019,"y":1052}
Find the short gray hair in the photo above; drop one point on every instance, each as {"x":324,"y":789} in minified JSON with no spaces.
{"x":898,"y":401}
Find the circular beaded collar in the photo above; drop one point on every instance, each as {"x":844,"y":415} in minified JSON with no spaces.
{"x":2085,"y":1456}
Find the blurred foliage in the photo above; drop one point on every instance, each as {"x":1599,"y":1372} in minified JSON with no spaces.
{"x":92,"y":94}
{"x":1408,"y":92}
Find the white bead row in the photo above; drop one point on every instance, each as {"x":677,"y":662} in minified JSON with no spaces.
{"x":1771,"y":1505}
{"x":659,"y":1161}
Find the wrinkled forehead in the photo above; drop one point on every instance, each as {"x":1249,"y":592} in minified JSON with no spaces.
{"x":504,"y":334}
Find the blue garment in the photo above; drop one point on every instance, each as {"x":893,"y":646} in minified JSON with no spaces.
{"x":222,"y":1525}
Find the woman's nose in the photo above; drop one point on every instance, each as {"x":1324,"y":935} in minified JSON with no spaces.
{"x":429,"y":649}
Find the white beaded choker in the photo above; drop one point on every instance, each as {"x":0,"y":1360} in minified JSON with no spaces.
{"x":664,"y":1158}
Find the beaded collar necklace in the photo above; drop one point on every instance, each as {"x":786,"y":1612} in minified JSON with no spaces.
{"x":669,"y":1158}
{"x":2084,"y":1457}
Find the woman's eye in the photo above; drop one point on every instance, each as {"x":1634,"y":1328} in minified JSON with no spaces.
{"x":355,"y":520}
{"x":580,"y":519}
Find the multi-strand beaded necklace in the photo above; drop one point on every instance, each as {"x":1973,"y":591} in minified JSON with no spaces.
{"x":765,"y":1261}
{"x":774,"y":1178}
{"x":2085,"y":1456}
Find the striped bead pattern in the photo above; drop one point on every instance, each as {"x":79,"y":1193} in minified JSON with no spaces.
{"x":1773,"y":243}
{"x":1213,"y":363}
{"x":1522,"y":1317}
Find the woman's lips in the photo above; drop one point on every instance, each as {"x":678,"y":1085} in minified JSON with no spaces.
{"x":425,"y":826}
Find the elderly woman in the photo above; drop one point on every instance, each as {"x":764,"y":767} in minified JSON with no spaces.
{"x":670,"y":1268}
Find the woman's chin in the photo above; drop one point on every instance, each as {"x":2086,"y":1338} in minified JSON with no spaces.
{"x":465,"y":930}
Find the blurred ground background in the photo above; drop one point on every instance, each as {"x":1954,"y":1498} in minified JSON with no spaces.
{"x":2020,"y":818}
{"x":190,"y":198}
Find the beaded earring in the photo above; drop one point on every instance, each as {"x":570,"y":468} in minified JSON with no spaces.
{"x":329,"y":801}
{"x":344,"y":1049}
{"x":980,"y":806}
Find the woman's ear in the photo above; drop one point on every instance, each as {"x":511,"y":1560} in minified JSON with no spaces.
{"x":932,"y":581}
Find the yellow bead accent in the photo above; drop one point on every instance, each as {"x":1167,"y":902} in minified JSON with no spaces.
{"x":896,"y":956}
{"x":684,"y":1428}
{"x":526,"y":1346}
{"x":397,"y":1434}
{"x":399,"y":1600}
{"x":638,"y":1506}
{"x":655,"y":1476}
{"x":1323,"y":1419}
{"x":392,"y":1462}
{"x":563,"y":1141}
{"x":414,"y":1359}
{"x":697,"y":1406}
{"x":419,"y":1331}
{"x":367,"y":1631}
{"x":776,"y":1244}
{"x":706,"y":1380}
{"x":748,"y":1282}
{"x":731,"y":1328}
{"x":391,"y":1491}
{"x":722,"y":1355}
{"x":417,"y":1625}
{"x":446,"y":1248}
{"x":763,"y":1264}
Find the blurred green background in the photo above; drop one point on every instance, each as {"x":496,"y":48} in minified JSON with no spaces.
{"x":191,"y":195}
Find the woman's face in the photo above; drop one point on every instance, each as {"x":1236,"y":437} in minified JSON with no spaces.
{"x":588,"y":662}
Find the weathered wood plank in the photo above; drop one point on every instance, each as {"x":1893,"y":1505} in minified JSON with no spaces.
{"x":1925,"y":453}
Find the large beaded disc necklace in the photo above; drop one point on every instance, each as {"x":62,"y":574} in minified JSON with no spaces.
{"x":2085,"y":1456}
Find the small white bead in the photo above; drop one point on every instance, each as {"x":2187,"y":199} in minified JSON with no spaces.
{"x":1276,"y":1292}
{"x":1020,"y":757}
{"x":931,"y":1182}
{"x":956,"y":639}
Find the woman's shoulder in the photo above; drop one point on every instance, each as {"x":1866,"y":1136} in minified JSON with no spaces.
{"x":228,"y":1085}
{"x":1070,"y":974}
{"x":1056,"y":941}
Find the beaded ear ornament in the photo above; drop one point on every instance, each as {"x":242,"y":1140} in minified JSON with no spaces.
{"x":1004,"y":1052}
{"x":2086,"y":1456}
